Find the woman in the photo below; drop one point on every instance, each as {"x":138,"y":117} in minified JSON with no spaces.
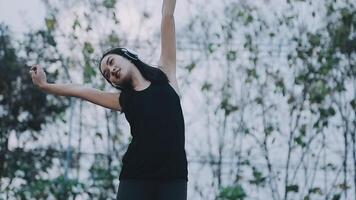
{"x":155,"y":163}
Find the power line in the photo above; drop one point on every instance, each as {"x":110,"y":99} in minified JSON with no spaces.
{"x":190,"y":159}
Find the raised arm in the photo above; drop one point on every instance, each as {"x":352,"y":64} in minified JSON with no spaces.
{"x":167,"y":59}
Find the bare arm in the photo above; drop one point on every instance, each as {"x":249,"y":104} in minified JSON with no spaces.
{"x":167,"y":60}
{"x":168,"y":39}
{"x":106,"y":99}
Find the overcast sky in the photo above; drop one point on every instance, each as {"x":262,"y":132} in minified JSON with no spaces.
{"x":20,"y":14}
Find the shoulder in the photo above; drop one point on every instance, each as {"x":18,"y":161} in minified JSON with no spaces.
{"x":124,"y":100}
{"x":174,"y":85}
{"x":172,"y":80}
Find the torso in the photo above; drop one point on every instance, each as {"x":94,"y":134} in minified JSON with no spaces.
{"x":157,"y":148}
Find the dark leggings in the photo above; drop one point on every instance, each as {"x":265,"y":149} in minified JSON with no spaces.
{"x":152,"y":190}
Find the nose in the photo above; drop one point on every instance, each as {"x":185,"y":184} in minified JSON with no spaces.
{"x":114,"y":70}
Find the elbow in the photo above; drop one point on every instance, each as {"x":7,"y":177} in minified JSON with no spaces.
{"x":168,"y":14}
{"x":168,"y":7}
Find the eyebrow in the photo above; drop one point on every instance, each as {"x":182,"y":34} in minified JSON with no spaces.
{"x":107,"y":60}
{"x":107,"y":63}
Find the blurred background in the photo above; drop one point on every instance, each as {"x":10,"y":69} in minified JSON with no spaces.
{"x":268,"y":95}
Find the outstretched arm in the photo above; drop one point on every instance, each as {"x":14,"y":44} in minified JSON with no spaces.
{"x":167,"y":59}
{"x":106,"y":99}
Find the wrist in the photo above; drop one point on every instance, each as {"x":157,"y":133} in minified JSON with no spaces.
{"x":43,"y":86}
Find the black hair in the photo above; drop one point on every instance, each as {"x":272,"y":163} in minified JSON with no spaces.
{"x":150,"y":73}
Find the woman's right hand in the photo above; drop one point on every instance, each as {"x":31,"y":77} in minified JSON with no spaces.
{"x":38,"y":75}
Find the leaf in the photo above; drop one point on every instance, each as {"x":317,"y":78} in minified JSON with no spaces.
{"x":291,"y":99}
{"x":314,"y":39}
{"x":292,"y":188}
{"x":299,"y":141}
{"x":89,"y":72}
{"x":258,"y":177}
{"x":353,"y":104}
{"x":99,"y":135}
{"x":227,"y":106}
{"x":109,"y":3}
{"x":50,"y":23}
{"x":302,"y":129}
{"x":248,"y":19}
{"x":336,"y":197}
{"x":301,"y":79}
{"x":232,"y":193}
{"x":113,"y":39}
{"x":190,"y":67}
{"x":319,"y":91}
{"x":344,"y":186}
{"x":252,"y":73}
{"x":76,"y":24}
{"x":259,"y":100}
{"x":231,"y":55}
{"x":315,"y":190}
{"x":268,"y":130}
{"x":211,"y":47}
{"x":88,"y":48}
{"x":206,"y":86}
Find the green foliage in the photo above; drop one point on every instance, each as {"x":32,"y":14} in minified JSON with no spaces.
{"x":50,"y":23}
{"x":89,"y":66}
{"x":21,"y":96}
{"x":252,"y":73}
{"x":280,"y":85}
{"x":318,"y":91}
{"x":353,"y":104}
{"x":76,"y":24}
{"x":102,"y":175}
{"x":292,"y":188}
{"x":336,"y":197}
{"x":322,"y":61}
{"x":206,"y":86}
{"x":231,"y":55}
{"x":258,"y":178}
{"x":109,"y":3}
{"x":88,"y":48}
{"x":235,"y":192}
{"x":315,"y":190}
{"x":211,"y":47}
{"x":27,"y":110}
{"x":190,"y":67}
{"x":227,"y":106}
{"x":30,"y":166}
{"x":113,"y":39}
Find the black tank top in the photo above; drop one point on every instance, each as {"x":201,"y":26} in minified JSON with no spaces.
{"x":157,"y":148}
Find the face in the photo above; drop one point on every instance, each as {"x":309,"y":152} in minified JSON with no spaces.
{"x":116,"y":69}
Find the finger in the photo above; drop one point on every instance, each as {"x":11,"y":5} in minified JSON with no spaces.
{"x":34,"y":66}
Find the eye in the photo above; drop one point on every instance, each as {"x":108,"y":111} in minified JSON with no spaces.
{"x":107,"y":74}
{"x":111,"y":61}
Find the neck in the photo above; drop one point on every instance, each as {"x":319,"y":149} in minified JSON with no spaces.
{"x":138,"y":81}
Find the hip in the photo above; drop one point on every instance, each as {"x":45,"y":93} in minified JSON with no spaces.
{"x":132,"y":189}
